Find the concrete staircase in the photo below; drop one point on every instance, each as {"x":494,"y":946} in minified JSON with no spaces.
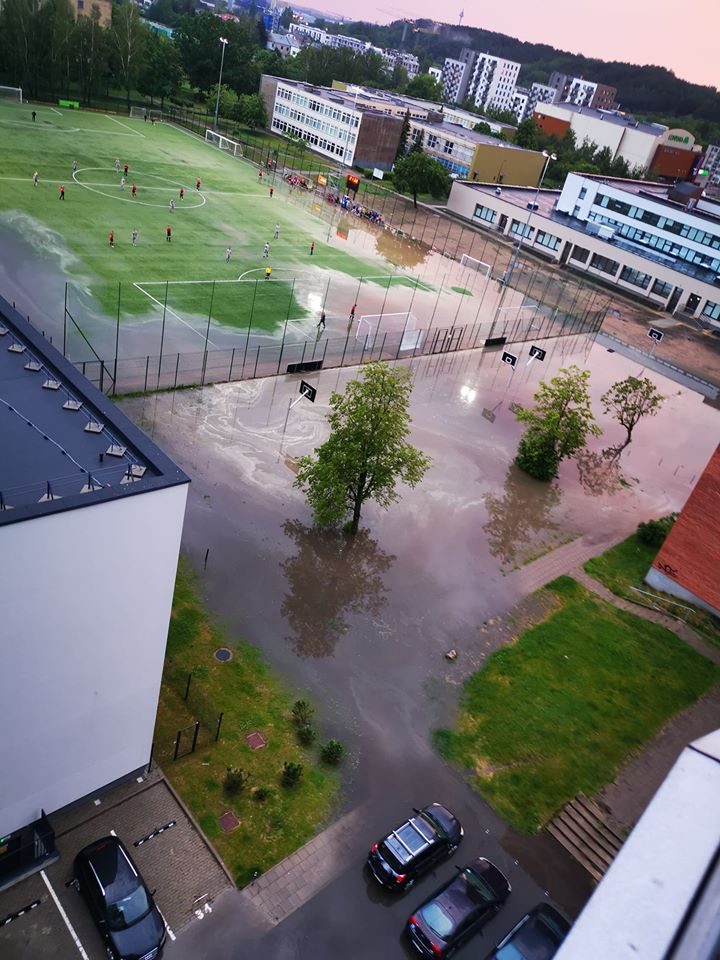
{"x":582,"y":828}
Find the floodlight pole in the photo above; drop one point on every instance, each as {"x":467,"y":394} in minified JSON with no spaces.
{"x":516,"y":254}
{"x":224,"y":42}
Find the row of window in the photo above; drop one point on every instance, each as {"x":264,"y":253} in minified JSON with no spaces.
{"x":521,"y":229}
{"x":318,"y":106}
{"x":655,"y":242}
{"x":484,"y":213}
{"x":711,"y":310}
{"x":604,"y":264}
{"x":314,"y":123}
{"x":635,"y":277}
{"x":320,"y":142}
{"x":658,"y":220}
{"x":547,"y":240}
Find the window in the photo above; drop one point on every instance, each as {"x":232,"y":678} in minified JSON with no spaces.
{"x":484,"y":213}
{"x":583,"y":193}
{"x":604,"y":264}
{"x":547,"y":240}
{"x":662,"y":289}
{"x":711,"y":310}
{"x":580,"y":254}
{"x":520,"y":229}
{"x":636,"y":278}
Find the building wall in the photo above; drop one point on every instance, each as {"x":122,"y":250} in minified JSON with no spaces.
{"x":604,"y":97}
{"x":550,"y":126}
{"x":329,"y":125}
{"x":455,"y":78}
{"x":690,"y":556}
{"x":81,"y":669}
{"x":498,"y":164}
{"x":378,"y":141}
{"x":672,"y":163}
{"x":712,"y":164}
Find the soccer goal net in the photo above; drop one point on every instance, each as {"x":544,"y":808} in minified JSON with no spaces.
{"x":372,"y":328}
{"x":11,"y":93}
{"x":224,"y":143}
{"x":139,"y":113}
{"x":472,"y":264}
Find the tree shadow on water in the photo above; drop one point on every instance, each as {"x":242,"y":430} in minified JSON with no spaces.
{"x":599,"y":471}
{"x":330,"y":577}
{"x":519,"y":522}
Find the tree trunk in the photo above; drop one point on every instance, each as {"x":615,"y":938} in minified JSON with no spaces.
{"x":356,"y":516}
{"x":415,"y":199}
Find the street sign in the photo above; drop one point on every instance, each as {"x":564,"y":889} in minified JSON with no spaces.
{"x":655,"y":334}
{"x":307,"y":391}
{"x":537,"y":353}
{"x":509,"y":358}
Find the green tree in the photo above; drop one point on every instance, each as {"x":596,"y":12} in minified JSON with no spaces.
{"x":526,"y":135}
{"x":91,"y":52}
{"x":483,"y":127}
{"x":399,"y":78}
{"x":628,"y":401}
{"x":425,"y":87}
{"x":558,"y":425}
{"x":419,"y":173}
{"x":127,"y":40}
{"x":198,"y":42}
{"x":286,"y":17}
{"x":160,"y":73}
{"x":367,"y":453}
{"x":251,"y":111}
{"x":404,"y":136}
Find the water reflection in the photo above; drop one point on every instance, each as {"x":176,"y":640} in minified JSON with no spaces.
{"x":519,"y":526}
{"x":599,"y":471}
{"x":401,"y":252}
{"x":329,"y":577}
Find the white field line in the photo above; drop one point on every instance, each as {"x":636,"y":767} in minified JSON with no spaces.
{"x":66,"y":919}
{"x":135,"y":133}
{"x":157,"y":283}
{"x":56,"y":111}
{"x":176,"y":315}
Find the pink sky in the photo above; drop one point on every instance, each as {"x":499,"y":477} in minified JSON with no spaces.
{"x":682,"y":37}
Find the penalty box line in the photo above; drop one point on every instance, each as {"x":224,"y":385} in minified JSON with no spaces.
{"x":177,"y":316}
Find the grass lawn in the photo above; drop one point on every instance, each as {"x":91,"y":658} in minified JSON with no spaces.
{"x":233,"y":208}
{"x":560,"y":710}
{"x":252,"y":699}
{"x":623,"y":567}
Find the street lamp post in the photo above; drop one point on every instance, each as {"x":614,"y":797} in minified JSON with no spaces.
{"x":224,"y":42}
{"x":525,"y":232}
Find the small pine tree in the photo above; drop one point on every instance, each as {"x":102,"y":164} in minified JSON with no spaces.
{"x":332,"y":752}
{"x":302,"y":713}
{"x":291,"y":774}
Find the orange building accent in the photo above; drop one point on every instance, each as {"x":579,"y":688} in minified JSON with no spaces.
{"x":672,"y":162}
{"x":690,"y":556}
{"x":551,"y":126}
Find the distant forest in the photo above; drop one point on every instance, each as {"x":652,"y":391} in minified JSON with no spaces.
{"x":649,"y":91}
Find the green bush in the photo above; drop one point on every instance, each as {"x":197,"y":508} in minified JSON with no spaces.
{"x":235,"y":781}
{"x":536,"y":454}
{"x":262,"y":794}
{"x":291,"y":774}
{"x":332,"y":752}
{"x":653,"y":533}
{"x":302,"y":713}
{"x":306,"y":735}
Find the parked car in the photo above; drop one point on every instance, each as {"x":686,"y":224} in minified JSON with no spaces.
{"x":458,"y":910}
{"x":536,"y":937}
{"x":119,"y":901}
{"x":414,"y":847}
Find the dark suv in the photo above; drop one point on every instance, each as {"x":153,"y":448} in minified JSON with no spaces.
{"x":414,"y":847}
{"x":120,"y":903}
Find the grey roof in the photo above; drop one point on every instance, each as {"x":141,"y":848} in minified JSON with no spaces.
{"x":51,"y":458}
{"x":610,"y":116}
{"x":458,"y":132}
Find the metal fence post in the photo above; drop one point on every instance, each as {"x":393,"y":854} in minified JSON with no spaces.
{"x":195,"y":735}
{"x":187,"y":686}
{"x":232,"y":361}
{"x":219,"y":724}
{"x":177,"y":744}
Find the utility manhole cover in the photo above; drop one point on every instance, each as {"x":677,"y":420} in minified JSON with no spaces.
{"x":255,"y":740}
{"x":229,"y":822}
{"x":223,"y":654}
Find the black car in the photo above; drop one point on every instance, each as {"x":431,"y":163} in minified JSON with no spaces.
{"x":536,"y":937}
{"x":119,"y":901}
{"x":414,"y":847}
{"x":458,"y":910}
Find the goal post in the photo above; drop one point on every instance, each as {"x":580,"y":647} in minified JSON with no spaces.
{"x":11,"y":93}
{"x":404,"y":325}
{"x":472,"y":264}
{"x":224,"y":143}
{"x":139,"y":113}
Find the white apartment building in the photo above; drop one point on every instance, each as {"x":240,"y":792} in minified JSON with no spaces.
{"x":314,"y":34}
{"x":658,"y":243}
{"x":493,"y":82}
{"x":284,"y":44}
{"x":540,"y":93}
{"x":91,"y":516}
{"x":436,"y":73}
{"x":398,"y":58}
{"x":711,"y":163}
{"x":520,"y":103}
{"x":454,"y":79}
{"x":464,"y":118}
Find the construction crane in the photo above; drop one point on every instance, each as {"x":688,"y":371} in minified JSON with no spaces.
{"x":394,"y":11}
{"x":461,"y":17}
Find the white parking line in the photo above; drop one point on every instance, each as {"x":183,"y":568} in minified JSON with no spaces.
{"x":71,"y":931}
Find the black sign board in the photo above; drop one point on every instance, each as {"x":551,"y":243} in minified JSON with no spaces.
{"x":307,"y":391}
{"x":655,"y":334}
{"x":509,"y":358}
{"x":537,"y":353}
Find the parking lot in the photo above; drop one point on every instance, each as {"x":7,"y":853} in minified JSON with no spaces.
{"x":45,"y":917}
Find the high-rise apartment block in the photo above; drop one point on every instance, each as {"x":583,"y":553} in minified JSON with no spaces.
{"x":711,"y":164}
{"x":584,"y":93}
{"x":486,"y":80}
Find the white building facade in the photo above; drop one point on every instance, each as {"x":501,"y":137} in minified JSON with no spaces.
{"x":492,"y":82}
{"x":454,"y":79}
{"x":329,"y":124}
{"x":711,"y":163}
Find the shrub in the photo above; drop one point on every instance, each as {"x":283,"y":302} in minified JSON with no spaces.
{"x":235,"y":780}
{"x":302,"y":713}
{"x":261,"y":794}
{"x":332,"y":752}
{"x":306,"y":734}
{"x":653,"y":532}
{"x":291,"y":774}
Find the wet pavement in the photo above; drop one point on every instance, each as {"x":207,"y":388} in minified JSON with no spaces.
{"x":363,"y":626}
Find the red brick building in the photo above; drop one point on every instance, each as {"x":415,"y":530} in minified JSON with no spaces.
{"x":688,"y":565}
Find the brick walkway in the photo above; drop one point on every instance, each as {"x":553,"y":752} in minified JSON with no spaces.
{"x":299,"y":877}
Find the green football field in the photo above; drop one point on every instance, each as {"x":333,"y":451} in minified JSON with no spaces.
{"x":233,"y":208}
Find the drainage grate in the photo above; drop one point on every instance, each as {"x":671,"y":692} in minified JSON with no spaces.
{"x":223,"y":654}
